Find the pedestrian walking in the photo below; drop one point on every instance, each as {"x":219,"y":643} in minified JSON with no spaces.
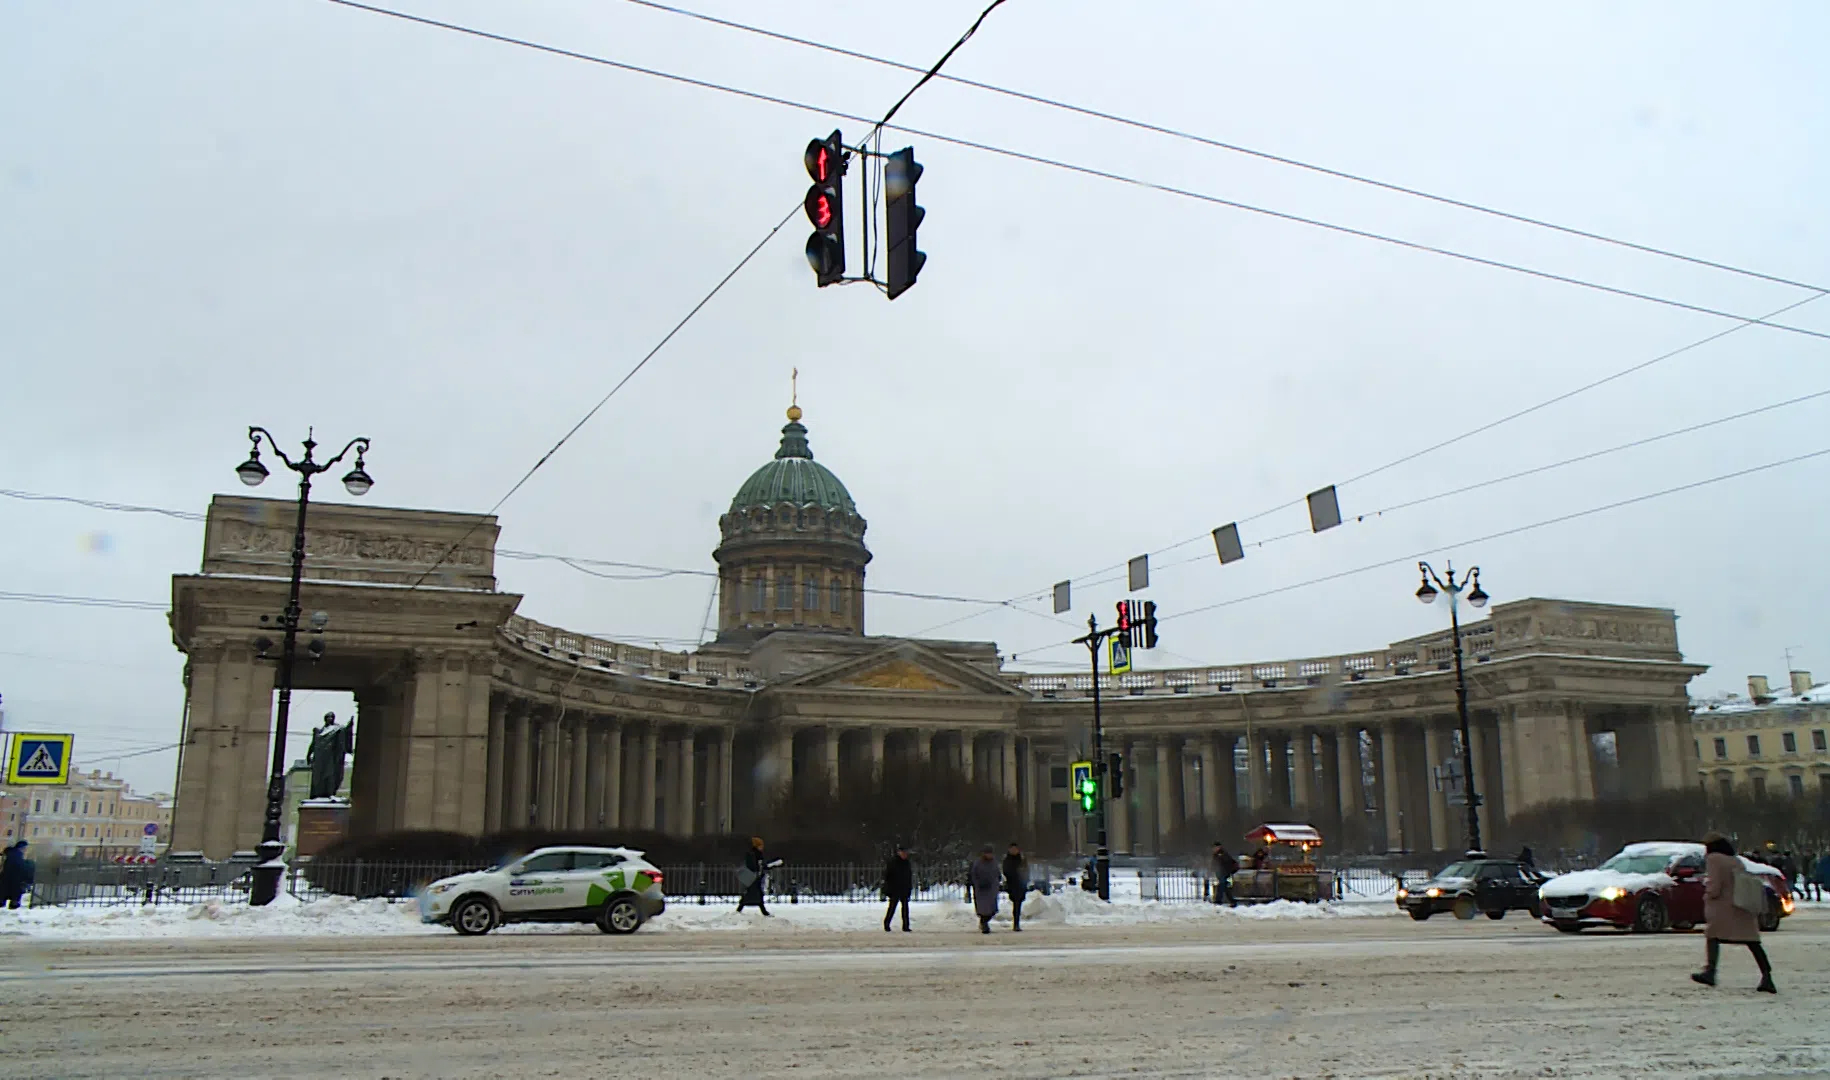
{"x":898,"y":886}
{"x":1822,"y":874}
{"x":15,"y":875}
{"x":754,"y":875}
{"x":1732,"y":899}
{"x":1016,"y":884}
{"x":983,"y":877}
{"x":1225,"y":866}
{"x":1526,"y":859}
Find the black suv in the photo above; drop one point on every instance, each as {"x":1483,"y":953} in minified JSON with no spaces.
{"x":1475,"y":886}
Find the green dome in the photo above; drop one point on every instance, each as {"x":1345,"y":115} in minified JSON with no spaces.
{"x":793,"y":478}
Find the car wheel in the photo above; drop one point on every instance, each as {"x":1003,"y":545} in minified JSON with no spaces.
{"x":1496,"y":916}
{"x":1420,"y":914}
{"x":620,"y":916}
{"x":1769,"y":918}
{"x":1464,"y":908}
{"x":1570,"y":928}
{"x":1651,"y":917}
{"x":473,"y":915}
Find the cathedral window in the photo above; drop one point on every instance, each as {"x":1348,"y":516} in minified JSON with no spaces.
{"x":810,"y":595}
{"x":759,"y":595}
{"x":784,"y":590}
{"x":836,"y":600}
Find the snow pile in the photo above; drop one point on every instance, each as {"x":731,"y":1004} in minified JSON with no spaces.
{"x":335,"y":915}
{"x":342,"y":916}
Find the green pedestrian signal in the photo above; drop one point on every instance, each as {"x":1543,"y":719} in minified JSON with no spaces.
{"x":1085,"y":786}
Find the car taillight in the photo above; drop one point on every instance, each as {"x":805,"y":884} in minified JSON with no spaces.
{"x":655,"y":875}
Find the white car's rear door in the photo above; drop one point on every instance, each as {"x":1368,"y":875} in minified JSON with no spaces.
{"x":542,"y":883}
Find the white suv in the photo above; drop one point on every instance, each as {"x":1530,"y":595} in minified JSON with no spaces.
{"x":613,"y":887}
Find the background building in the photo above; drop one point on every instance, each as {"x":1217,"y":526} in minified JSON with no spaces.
{"x":95,"y":815}
{"x":1766,"y":744}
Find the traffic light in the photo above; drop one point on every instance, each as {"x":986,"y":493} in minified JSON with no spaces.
{"x":1124,"y":617}
{"x":1116,"y":782}
{"x":1147,"y":627}
{"x":902,"y":218}
{"x":1086,"y":786}
{"x":825,"y":204}
{"x":1137,"y":622}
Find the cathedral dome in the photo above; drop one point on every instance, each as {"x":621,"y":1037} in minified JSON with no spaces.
{"x":793,"y":479}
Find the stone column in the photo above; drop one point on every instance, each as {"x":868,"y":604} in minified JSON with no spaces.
{"x":1280,"y":769}
{"x":1581,"y":752}
{"x":580,"y":811}
{"x":593,"y":750}
{"x":1007,"y":749}
{"x":1258,"y":779}
{"x":365,"y":782}
{"x":1477,"y":746}
{"x":689,"y":797}
{"x":222,"y":793}
{"x":1328,"y":786}
{"x":877,"y":735}
{"x":726,"y":743}
{"x":1118,"y":811}
{"x":1223,"y":784}
{"x":1347,"y":763}
{"x":924,"y":745}
{"x":612,"y":768}
{"x":829,"y":749}
{"x":1391,"y":787}
{"x":546,"y":801}
{"x":520,"y":765}
{"x":968,"y":745}
{"x":492,"y":788}
{"x":1302,"y":784}
{"x":1167,"y":773}
{"x":645,"y":764}
{"x":1435,"y":752}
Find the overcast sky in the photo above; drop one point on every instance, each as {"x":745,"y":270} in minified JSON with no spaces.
{"x":294,"y":213}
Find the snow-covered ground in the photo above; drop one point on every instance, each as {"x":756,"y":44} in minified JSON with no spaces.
{"x":343,"y":916}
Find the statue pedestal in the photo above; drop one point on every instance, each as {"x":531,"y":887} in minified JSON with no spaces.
{"x":322,"y":822}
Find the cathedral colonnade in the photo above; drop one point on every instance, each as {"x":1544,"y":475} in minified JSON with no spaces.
{"x":475,"y":719}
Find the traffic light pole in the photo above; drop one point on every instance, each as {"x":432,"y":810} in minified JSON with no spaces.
{"x":1102,"y":854}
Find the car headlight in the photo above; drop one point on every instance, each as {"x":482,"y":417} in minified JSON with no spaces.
{"x":1433,"y":892}
{"x":1612,"y":892}
{"x":442,"y":887}
{"x":1785,"y":905}
{"x":1402,"y":893}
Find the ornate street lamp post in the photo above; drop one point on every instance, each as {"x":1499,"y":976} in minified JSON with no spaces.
{"x":266,"y":884}
{"x":1471,"y":583}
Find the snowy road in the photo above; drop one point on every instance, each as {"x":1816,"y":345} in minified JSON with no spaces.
{"x":1335,"y":997}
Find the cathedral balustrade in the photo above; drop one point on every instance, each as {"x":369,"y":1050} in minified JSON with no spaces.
{"x":624,"y":659}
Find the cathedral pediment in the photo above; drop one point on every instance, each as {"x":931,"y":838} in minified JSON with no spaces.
{"x":905,"y":667}
{"x":895,"y":675}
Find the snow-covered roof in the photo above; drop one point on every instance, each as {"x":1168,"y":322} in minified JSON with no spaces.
{"x":1735,"y":703}
{"x":1288,"y":834}
{"x":1663,"y":847}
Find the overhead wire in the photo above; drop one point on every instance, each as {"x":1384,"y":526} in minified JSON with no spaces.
{"x":707,"y":298}
{"x":1188,"y":136}
{"x":1443,"y":444}
{"x":1087,"y":170}
{"x":1500,"y":534}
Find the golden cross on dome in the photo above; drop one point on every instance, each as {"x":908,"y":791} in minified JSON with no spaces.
{"x":794,"y":394}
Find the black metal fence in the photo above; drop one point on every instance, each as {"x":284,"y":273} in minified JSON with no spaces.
{"x":85,"y":883}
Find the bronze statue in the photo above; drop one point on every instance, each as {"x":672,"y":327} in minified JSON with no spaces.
{"x":329,"y":745}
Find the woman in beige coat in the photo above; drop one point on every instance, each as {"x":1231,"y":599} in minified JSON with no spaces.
{"x":1728,"y":923}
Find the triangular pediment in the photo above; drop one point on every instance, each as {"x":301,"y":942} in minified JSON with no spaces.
{"x":895,"y":674}
{"x":904,"y":667}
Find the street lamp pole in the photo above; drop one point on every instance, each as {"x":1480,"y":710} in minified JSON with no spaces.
{"x":1471,"y":583}
{"x":266,"y":885}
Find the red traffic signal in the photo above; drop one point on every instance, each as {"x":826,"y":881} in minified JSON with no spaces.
{"x":825,"y":206}
{"x":1124,"y":616}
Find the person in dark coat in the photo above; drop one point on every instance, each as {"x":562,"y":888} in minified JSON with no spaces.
{"x":1526,"y":858}
{"x":1016,"y":884}
{"x":754,"y":874}
{"x":15,"y":875}
{"x":898,"y":886}
{"x":1225,"y":866}
{"x":983,"y":878}
{"x":1728,"y":922}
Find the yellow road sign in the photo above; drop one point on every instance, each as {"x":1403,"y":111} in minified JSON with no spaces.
{"x":39,"y":759}
{"x":1121,"y":654}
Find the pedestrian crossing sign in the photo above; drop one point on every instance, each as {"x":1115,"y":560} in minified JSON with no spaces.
{"x":39,"y":759}
{"x":1121,"y":654}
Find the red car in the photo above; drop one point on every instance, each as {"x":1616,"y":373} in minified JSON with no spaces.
{"x":1647,"y":888}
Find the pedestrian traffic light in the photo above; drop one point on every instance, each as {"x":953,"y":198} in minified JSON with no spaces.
{"x":1085,"y":785}
{"x":1115,"y":784}
{"x":1137,"y":622}
{"x":1146,"y":629}
{"x":902,"y":218}
{"x":825,"y":205}
{"x":1124,"y":617}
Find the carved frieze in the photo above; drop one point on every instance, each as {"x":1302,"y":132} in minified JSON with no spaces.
{"x":245,"y":537}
